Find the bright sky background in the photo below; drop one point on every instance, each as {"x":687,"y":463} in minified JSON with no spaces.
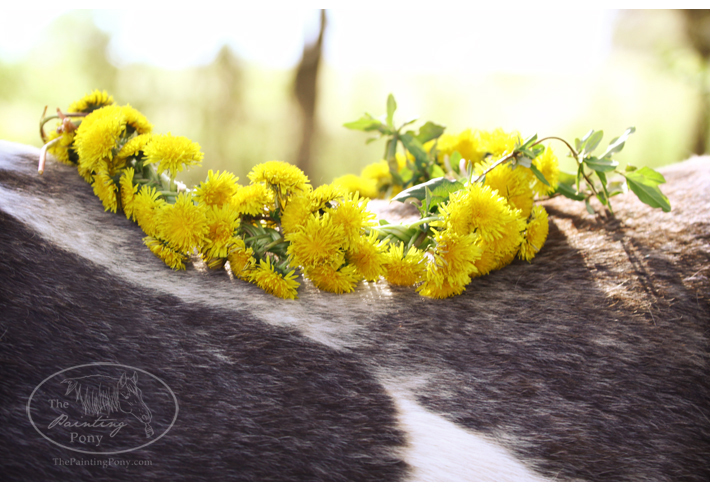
{"x":397,"y":40}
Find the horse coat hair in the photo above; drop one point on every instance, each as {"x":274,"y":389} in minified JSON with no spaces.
{"x":589,"y":363}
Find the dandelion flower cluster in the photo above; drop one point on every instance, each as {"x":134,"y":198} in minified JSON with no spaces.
{"x":278,"y":227}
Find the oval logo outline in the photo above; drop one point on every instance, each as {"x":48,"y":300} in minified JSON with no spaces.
{"x":170,"y":391}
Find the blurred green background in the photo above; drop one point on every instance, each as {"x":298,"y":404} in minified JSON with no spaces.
{"x":544,"y":73}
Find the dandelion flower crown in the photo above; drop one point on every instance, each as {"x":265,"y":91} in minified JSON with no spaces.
{"x":476,"y":193}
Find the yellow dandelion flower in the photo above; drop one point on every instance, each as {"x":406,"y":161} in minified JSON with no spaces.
{"x":255,"y":199}
{"x":322,"y":195}
{"x":512,"y":184}
{"x":183,"y":225}
{"x":172,"y":258}
{"x":85,"y":173}
{"x":468,"y":144}
{"x":404,"y":270}
{"x":511,"y":234}
{"x":172,"y":153}
{"x":535,"y":234}
{"x":319,"y":241}
{"x":146,"y":204}
{"x":128,"y":191}
{"x":328,"y":278}
{"x":273,"y":282}
{"x":454,"y":257}
{"x":218,"y":190}
{"x":63,"y":148}
{"x":296,"y":212}
{"x":90,"y":102}
{"x":377,"y":171}
{"x":221,"y":223}
{"x":443,"y":289}
{"x":216,"y":262}
{"x":488,"y":260}
{"x":350,"y":183}
{"x":241,"y":259}
{"x":285,"y":177}
{"x":135,"y":121}
{"x":367,"y":254}
{"x":506,"y":259}
{"x":352,"y":215}
{"x":477,"y":208}
{"x":134,"y":146}
{"x":106,"y":189}
{"x":97,"y":137}
{"x":549,"y":166}
{"x":499,"y":143}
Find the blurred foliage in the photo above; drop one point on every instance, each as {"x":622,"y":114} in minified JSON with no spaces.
{"x":243,"y":114}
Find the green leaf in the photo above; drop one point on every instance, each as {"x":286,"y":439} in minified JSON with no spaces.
{"x":439,"y":187}
{"x":366,"y":123}
{"x":391,"y":108}
{"x":406,"y":174}
{"x":436,"y":171}
{"x":430,"y":131}
{"x":593,"y":141}
{"x":579,"y":144}
{"x":600,"y":165}
{"x":617,"y":187}
{"x":414,"y":147}
{"x":644,"y":183}
{"x":602,"y":196}
{"x":538,"y":149}
{"x":617,"y":144}
{"x":567,"y":178}
{"x":590,"y":210}
{"x":530,"y":140}
{"x":524,"y":161}
{"x":569,"y":191}
{"x":539,"y":175}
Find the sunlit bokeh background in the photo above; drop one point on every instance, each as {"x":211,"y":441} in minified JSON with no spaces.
{"x":226,"y":79}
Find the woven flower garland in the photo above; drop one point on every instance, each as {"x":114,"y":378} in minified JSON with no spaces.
{"x":476,"y":218}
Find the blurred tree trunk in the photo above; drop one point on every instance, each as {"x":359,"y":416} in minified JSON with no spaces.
{"x":306,"y":90}
{"x":698,"y":30}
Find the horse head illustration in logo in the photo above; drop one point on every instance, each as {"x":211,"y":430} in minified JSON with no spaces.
{"x":106,"y":395}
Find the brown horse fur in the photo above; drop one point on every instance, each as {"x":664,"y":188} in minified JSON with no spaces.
{"x":589,"y":363}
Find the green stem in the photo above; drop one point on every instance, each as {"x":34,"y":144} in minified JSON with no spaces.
{"x":575,"y":155}
{"x":43,"y":154}
{"x":424,"y":220}
{"x":44,"y":119}
{"x":501,"y":161}
{"x":274,"y":243}
{"x":258,"y":237}
{"x":391,"y":231}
